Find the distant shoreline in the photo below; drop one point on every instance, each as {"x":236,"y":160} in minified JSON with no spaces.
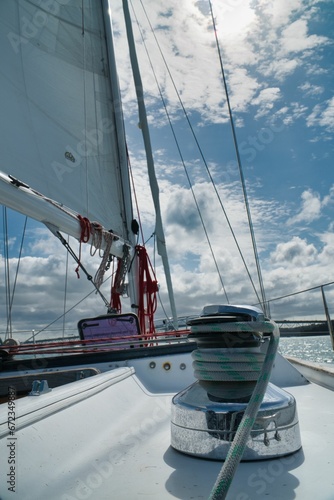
{"x":303,"y":334}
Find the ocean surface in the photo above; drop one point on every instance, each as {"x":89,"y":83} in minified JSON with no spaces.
{"x":317,"y":349}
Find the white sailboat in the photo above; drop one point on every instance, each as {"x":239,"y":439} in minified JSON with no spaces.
{"x":121,"y":412}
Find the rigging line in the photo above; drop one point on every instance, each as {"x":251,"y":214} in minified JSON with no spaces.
{"x":154,"y":259}
{"x":84,"y":69}
{"x":80,"y":265}
{"x":7,"y":277}
{"x":82,"y":18}
{"x":10,"y":298}
{"x":300,"y":291}
{"x":68,"y":310}
{"x":149,"y":238}
{"x":18,"y":265}
{"x":182,"y":159}
{"x":250,"y":222}
{"x":65,"y":288}
{"x":197,"y":206}
{"x":164,"y":310}
{"x":155,"y":247}
{"x":154,"y":267}
{"x":203,"y":159}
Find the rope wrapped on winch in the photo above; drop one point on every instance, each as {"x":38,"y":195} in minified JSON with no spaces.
{"x":225,"y":476}
{"x":228,"y":358}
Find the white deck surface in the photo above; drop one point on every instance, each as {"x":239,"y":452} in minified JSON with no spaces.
{"x":116,"y":445}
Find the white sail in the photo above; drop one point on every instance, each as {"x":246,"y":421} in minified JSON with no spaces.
{"x":58,"y":132}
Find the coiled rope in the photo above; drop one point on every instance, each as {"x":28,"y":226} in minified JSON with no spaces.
{"x":148,"y":288}
{"x":238,"y":445}
{"x":95,"y":231}
{"x":227,"y":364}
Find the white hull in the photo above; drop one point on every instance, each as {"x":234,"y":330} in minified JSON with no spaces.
{"x":315,"y":372}
{"x":108,"y":436}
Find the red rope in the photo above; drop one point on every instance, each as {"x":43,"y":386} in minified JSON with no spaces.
{"x":148,"y":287}
{"x":84,"y":237}
{"x":115,"y":301}
{"x":85,"y":228}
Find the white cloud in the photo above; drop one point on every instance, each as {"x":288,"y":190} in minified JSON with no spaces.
{"x":261,"y":45}
{"x":278,"y":13}
{"x":266,"y":100}
{"x":243,"y":88}
{"x":295,"y":251}
{"x":311,"y":90}
{"x":298,"y":110}
{"x":310,"y":208}
{"x":279,"y":68}
{"x":40,"y":288}
{"x":329,"y":199}
{"x":295,"y":38}
{"x":322,"y":115}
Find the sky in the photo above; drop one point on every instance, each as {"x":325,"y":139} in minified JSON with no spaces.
{"x":278,"y":62}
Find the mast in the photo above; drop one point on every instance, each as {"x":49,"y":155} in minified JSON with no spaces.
{"x":161,"y":243}
{"x":122,"y":153}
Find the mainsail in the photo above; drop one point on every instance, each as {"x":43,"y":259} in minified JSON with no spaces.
{"x":61,"y":117}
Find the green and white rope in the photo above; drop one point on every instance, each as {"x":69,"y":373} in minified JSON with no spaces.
{"x":227,"y":364}
{"x":230,"y":364}
{"x":240,"y":355}
{"x":238,"y":445}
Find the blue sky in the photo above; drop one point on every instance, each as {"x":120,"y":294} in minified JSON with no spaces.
{"x":278,"y":58}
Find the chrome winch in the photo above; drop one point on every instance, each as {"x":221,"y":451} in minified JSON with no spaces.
{"x":231,"y":347}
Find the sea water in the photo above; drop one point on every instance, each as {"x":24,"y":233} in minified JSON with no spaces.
{"x":317,"y":349}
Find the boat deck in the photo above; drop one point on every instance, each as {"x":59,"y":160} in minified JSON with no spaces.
{"x":112,"y":440}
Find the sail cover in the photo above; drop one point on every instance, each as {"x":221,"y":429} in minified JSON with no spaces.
{"x":57,"y":128}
